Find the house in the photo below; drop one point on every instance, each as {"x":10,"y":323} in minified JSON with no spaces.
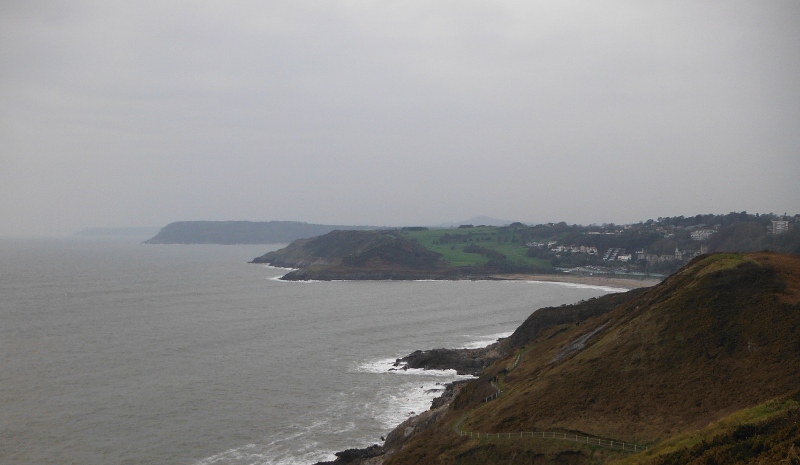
{"x":779,"y":226}
{"x":702,"y":234}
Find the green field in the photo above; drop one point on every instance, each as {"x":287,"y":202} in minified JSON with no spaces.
{"x":451,"y":242}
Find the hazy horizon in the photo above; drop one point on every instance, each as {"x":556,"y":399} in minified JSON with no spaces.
{"x":481,"y":220}
{"x":117,"y":115}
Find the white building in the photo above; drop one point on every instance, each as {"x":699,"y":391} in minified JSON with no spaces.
{"x":702,"y":234}
{"x":779,"y":226}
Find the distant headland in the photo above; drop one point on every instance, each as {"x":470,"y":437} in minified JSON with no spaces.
{"x":645,"y":250}
{"x":242,"y":232}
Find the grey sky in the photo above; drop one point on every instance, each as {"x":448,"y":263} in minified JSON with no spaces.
{"x":394,"y":112}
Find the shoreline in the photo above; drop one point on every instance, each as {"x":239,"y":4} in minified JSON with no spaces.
{"x":591,"y":280}
{"x":609,"y":281}
{"x":601,"y":280}
{"x":466,"y":361}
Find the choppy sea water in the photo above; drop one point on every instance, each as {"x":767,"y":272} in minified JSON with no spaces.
{"x":116,"y":352}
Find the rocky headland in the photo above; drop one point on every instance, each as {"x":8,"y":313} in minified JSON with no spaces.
{"x":463,"y":361}
{"x":392,"y":255}
{"x":701,"y":368}
{"x":468,"y":362}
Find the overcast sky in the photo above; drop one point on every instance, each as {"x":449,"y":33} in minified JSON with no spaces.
{"x":394,"y":112}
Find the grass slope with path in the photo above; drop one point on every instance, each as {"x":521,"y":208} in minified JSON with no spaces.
{"x":672,"y":367}
{"x":500,"y":244}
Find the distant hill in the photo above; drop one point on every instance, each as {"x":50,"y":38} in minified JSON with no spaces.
{"x":481,"y":220}
{"x":390,"y":254}
{"x":242,"y":232}
{"x":701,"y":368}
{"x":355,"y":255}
{"x":144,"y":231}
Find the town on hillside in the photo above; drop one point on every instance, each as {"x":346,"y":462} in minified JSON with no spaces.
{"x":661,"y":246}
{"x":653,"y":247}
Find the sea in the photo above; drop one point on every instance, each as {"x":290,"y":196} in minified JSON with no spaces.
{"x":116,"y":352}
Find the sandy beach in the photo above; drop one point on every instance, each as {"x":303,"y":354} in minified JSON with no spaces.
{"x":608,"y":280}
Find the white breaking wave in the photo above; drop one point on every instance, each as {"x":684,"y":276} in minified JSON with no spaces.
{"x":307,"y":281}
{"x":384,"y":366}
{"x":392,"y":408}
{"x":279,"y":268}
{"x":269,"y":454}
{"x":484,"y":341}
{"x":395,"y":404}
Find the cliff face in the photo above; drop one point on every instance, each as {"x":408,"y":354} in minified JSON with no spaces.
{"x":719,"y":336}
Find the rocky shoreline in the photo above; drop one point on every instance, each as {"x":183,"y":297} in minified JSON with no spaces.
{"x":464,"y":361}
{"x":472,"y":362}
{"x":397,"y":438}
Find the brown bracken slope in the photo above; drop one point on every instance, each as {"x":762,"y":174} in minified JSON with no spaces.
{"x":721,"y":335}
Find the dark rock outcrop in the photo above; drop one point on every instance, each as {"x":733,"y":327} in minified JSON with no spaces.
{"x":464,"y":361}
{"x":356,"y":456}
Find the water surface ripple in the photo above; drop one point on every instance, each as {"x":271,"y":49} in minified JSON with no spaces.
{"x":116,"y":352}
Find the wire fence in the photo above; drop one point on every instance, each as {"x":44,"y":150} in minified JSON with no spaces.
{"x":607,"y":443}
{"x":496,"y":394}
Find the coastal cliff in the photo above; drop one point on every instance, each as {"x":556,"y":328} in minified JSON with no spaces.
{"x":704,"y":366}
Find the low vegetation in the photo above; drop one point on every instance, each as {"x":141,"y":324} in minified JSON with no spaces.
{"x":501,"y":248}
{"x":702,"y":368}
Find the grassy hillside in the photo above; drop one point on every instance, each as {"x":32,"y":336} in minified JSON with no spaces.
{"x":356,"y":255}
{"x":768,"y":433}
{"x":397,"y":255}
{"x":505,"y":242}
{"x":719,"y":336}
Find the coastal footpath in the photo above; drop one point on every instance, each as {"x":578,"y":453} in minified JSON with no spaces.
{"x":703,"y":367}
